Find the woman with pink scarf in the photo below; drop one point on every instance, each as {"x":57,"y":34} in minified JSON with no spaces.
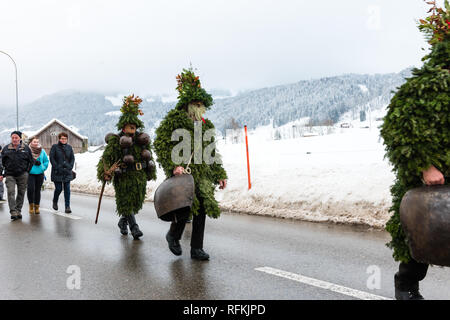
{"x":36,"y":176}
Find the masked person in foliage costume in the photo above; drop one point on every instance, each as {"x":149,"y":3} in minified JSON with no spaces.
{"x":207,"y":171}
{"x":416,"y":132}
{"x":130,"y":148}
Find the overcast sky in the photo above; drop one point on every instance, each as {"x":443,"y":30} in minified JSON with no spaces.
{"x":140,"y":46}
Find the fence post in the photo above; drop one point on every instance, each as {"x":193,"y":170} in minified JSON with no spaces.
{"x":248,"y":160}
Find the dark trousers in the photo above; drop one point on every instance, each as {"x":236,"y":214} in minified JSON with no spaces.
{"x":409,"y":274}
{"x":58,"y":190}
{"x":35,"y":182}
{"x":198,"y":229}
{"x":16,"y":202}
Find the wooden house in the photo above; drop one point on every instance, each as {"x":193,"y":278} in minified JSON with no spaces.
{"x":48,"y":136}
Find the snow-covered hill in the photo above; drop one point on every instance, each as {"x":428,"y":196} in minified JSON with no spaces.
{"x":321,"y":100}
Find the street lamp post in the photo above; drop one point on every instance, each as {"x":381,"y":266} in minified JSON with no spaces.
{"x":17,"y":91}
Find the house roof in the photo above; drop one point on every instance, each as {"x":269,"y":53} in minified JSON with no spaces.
{"x":61,"y":124}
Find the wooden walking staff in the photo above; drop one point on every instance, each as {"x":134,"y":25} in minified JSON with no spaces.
{"x":110,"y":173}
{"x":248,"y":160}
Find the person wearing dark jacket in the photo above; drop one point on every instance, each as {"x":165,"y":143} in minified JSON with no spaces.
{"x":17,"y":161}
{"x":1,"y":182}
{"x":62,"y":159}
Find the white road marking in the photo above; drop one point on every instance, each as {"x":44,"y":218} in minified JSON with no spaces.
{"x":322,"y":284}
{"x":70,"y":216}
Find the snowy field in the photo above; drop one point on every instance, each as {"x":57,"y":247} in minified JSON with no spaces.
{"x":340,"y":177}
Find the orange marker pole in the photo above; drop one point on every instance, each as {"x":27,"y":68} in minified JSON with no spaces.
{"x":248,"y":160}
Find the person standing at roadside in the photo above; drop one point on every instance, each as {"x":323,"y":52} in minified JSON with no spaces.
{"x":36,"y":176}
{"x":62,"y":159}
{"x":17,"y":161}
{"x":1,"y":182}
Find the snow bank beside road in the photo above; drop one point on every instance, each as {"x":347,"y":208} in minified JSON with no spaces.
{"x":340,"y":177}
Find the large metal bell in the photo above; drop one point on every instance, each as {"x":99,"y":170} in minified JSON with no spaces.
{"x":109,"y":135}
{"x":128,"y":159}
{"x":125,"y":142}
{"x":143,"y":139}
{"x":174,"y":197}
{"x":425,"y":217}
{"x":146,"y":155}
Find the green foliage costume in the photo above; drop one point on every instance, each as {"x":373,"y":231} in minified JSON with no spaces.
{"x":206,"y":176}
{"x":416,"y":129}
{"x":129,"y":181}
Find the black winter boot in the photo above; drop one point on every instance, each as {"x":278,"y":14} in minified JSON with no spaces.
{"x":415,"y":294}
{"x":134,"y":228}
{"x":199,"y":254}
{"x":406,"y":292}
{"x":123,"y":225}
{"x":55,"y":205}
{"x":174,"y":245}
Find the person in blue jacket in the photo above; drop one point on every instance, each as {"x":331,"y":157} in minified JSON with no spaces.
{"x":36,"y":175}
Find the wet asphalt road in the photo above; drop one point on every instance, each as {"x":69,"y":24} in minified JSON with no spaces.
{"x":36,"y":252}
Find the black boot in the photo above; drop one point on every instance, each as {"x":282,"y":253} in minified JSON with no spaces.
{"x":415,"y":294}
{"x":174,"y":245}
{"x":199,"y":254}
{"x":55,"y":205}
{"x":15,"y":216}
{"x":406,"y":292}
{"x":123,"y":225}
{"x":134,"y":228}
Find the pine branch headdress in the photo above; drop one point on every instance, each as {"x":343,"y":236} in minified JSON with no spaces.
{"x":130,"y":111}
{"x":189,"y":89}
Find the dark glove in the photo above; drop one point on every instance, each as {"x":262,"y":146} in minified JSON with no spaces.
{"x":37,"y":163}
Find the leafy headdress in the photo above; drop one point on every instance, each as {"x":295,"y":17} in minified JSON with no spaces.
{"x":436,"y":28}
{"x":130,"y":111}
{"x":189,"y":90}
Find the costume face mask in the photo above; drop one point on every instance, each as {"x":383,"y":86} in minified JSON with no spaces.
{"x":196,"y":110}
{"x":129,"y":129}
